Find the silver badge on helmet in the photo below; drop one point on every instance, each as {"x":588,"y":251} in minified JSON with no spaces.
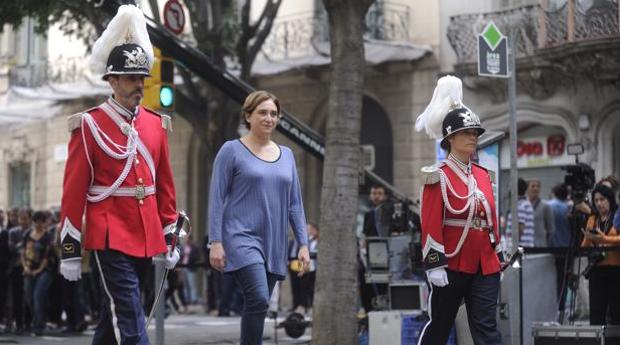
{"x":136,"y":58}
{"x":469,"y":118}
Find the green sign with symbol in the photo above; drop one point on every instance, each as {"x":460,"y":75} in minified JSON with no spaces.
{"x":492,"y":53}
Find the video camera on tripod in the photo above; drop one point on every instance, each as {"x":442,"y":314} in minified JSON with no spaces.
{"x":580,"y":178}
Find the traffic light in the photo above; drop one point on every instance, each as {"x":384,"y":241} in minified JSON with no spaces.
{"x":159,"y":88}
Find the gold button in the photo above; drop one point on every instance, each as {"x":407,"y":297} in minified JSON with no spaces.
{"x":140,"y":180}
{"x":137,"y":161}
{"x":482,"y":214}
{"x":141,"y":202}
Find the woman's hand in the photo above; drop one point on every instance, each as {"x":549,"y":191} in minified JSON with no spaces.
{"x":304,"y":260}
{"x":217,"y":256}
{"x":599,"y":237}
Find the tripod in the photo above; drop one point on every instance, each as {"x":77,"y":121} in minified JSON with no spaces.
{"x":570,"y":280}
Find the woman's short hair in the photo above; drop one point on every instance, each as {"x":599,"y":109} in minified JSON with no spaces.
{"x":253,"y":100}
{"x":40,"y":216}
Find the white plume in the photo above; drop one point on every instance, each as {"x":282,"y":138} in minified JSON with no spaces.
{"x":127,"y":26}
{"x":448,"y":94}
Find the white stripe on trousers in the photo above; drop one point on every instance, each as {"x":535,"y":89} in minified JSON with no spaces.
{"x":117,"y":331}
{"x":430,"y":314}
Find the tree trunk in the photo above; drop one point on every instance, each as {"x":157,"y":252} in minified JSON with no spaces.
{"x":335,"y":305}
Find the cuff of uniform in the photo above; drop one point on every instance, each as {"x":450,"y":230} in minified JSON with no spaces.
{"x":435,"y":259}
{"x":70,"y":241}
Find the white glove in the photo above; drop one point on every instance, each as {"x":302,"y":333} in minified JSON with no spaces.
{"x":438,"y":277}
{"x":71,"y":269}
{"x":171,"y":258}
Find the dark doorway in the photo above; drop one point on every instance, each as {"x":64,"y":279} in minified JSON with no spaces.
{"x":377,"y":131}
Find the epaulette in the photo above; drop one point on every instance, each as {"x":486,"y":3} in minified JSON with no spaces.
{"x":490,"y":172}
{"x":166,"y":120}
{"x":74,"y":121}
{"x":430,"y":174}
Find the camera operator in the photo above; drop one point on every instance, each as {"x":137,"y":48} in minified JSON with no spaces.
{"x":377,"y":223}
{"x":604,"y":268}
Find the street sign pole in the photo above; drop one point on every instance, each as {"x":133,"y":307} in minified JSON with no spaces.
{"x":514,"y":182}
{"x":496,"y":58}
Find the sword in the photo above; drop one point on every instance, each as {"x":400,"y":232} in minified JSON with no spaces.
{"x":178,"y":232}
{"x":513,"y":258}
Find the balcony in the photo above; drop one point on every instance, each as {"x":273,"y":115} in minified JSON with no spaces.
{"x":540,"y":29}
{"x":308,"y":33}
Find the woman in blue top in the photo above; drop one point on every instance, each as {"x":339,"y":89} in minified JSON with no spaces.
{"x":254,"y":195}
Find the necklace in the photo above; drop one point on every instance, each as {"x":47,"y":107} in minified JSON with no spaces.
{"x":604,"y":225}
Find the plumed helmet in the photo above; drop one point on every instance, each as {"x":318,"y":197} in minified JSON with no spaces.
{"x":124,"y":47}
{"x":457,"y":120}
{"x":446,"y":114}
{"x":128,"y":58}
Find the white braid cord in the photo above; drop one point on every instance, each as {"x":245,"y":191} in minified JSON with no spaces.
{"x":127,"y":154}
{"x":90,"y":164}
{"x":471,"y":197}
{"x":109,"y":110}
{"x":466,"y":180}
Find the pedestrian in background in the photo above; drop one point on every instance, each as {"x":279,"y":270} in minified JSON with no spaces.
{"x":543,"y":215}
{"x":37,"y":248}
{"x":16,"y":241}
{"x":525,"y":218}
{"x":4,"y":268}
{"x":254,"y":195}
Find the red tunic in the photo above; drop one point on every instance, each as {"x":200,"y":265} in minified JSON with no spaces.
{"x":126,"y":224}
{"x":439,"y":239}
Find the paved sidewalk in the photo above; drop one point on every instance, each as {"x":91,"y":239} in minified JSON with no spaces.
{"x":179,"y":330}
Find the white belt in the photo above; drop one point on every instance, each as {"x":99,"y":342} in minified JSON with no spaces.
{"x":139,"y":191}
{"x":476,"y":224}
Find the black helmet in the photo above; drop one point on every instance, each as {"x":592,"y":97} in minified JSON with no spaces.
{"x":128,"y":58}
{"x":457,"y":120}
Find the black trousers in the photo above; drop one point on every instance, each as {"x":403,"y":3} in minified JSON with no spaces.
{"x":17,"y":296}
{"x":480,"y":293}
{"x":306,"y":288}
{"x":605,"y":295}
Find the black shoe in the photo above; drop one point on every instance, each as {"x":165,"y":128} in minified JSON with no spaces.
{"x":67,"y":330}
{"x":81,"y":327}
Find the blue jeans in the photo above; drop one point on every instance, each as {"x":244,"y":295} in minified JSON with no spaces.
{"x":190,"y":286}
{"x":35,"y":293}
{"x":257,"y":285}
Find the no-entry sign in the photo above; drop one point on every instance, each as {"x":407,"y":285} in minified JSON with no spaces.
{"x":174,"y":16}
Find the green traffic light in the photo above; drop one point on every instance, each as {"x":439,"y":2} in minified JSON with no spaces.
{"x":166,"y":96}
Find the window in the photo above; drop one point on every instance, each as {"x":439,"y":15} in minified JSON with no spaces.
{"x":19,"y":179}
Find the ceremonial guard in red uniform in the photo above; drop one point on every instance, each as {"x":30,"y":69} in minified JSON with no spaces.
{"x":460,"y":243}
{"x":118,"y":174}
